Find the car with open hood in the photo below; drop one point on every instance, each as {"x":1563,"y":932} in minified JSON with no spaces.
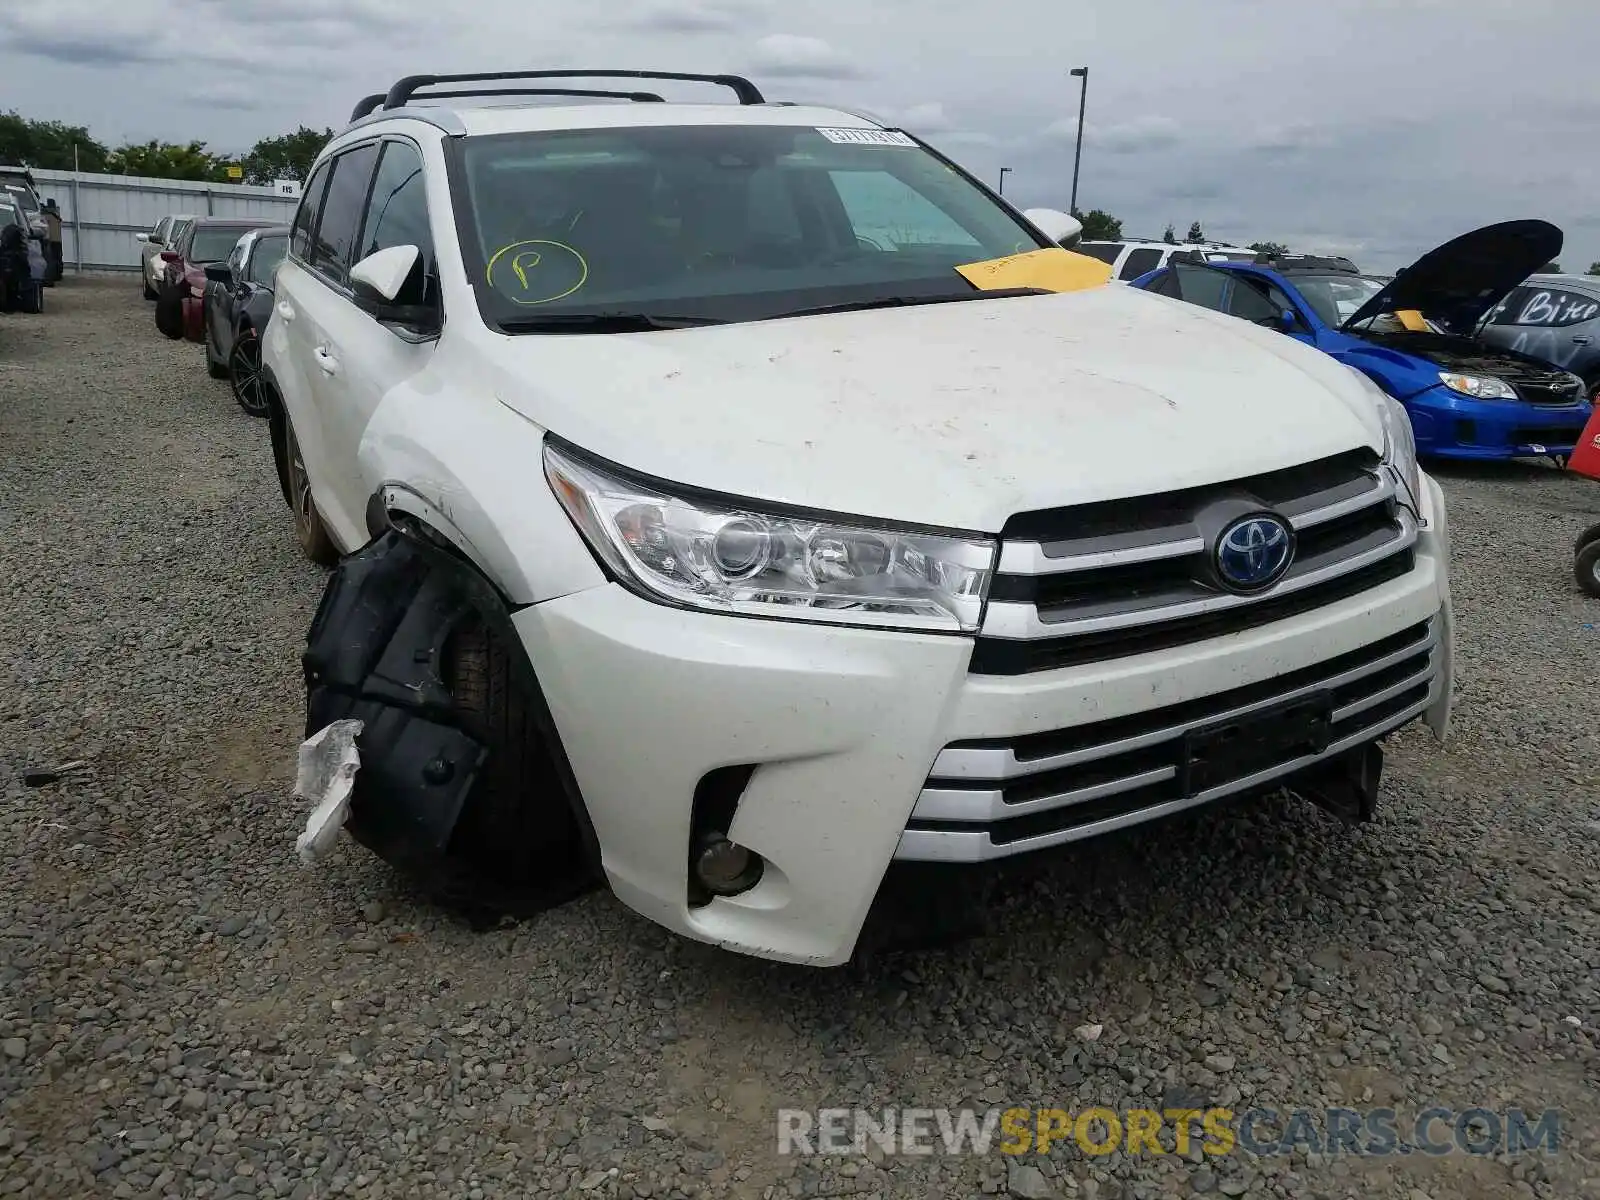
{"x":732,"y":503}
{"x":1414,"y":335}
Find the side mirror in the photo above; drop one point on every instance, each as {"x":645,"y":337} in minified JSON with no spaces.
{"x":1061,"y":228}
{"x":389,"y":285}
{"x":1287,"y":321}
{"x":169,"y":256}
{"x":218,"y":273}
{"x":141,"y":237}
{"x":379,"y":277}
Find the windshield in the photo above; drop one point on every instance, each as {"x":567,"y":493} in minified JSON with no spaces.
{"x":1335,"y":298}
{"x":24,"y":196}
{"x":266,"y":257}
{"x":716,"y":222}
{"x":213,"y":243}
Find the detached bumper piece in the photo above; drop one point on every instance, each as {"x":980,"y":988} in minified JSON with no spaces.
{"x":1313,"y":731}
{"x":376,"y":652}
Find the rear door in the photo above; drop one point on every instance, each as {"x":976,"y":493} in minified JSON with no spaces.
{"x":287,"y":345}
{"x":324,"y":312}
{"x":374,"y":358}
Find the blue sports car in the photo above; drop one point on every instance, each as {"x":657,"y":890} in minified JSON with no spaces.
{"x":1413,"y":335}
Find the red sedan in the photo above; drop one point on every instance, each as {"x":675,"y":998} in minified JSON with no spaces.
{"x":180,"y":298}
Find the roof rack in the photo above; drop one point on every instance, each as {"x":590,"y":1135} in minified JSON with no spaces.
{"x":1308,"y":262}
{"x":369,"y":104}
{"x":406,"y":88}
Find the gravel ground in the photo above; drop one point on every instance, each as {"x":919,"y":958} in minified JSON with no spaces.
{"x":185,"y":1011}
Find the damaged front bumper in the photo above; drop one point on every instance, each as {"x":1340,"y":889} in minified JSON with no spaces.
{"x":840,"y":743}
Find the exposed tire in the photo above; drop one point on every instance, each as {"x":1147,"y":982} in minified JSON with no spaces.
{"x":33,"y":299}
{"x":169,"y":313}
{"x":309,"y":530}
{"x":1586,"y":569}
{"x":1591,"y":534}
{"x":516,"y":832}
{"x":149,"y":292}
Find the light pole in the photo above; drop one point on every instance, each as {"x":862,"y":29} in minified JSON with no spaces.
{"x":1004,"y":171}
{"x":1077,"y":155}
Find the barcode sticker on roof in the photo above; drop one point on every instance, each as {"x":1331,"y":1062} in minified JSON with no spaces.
{"x":868,"y":137}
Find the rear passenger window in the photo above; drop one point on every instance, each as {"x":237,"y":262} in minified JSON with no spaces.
{"x":1140,"y":261}
{"x":1205,"y":286}
{"x":305,"y":218}
{"x":342,"y":209}
{"x":1106,"y":252}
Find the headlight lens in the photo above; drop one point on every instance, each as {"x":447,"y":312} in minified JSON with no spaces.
{"x":1479,"y":387}
{"x":1400,"y":450}
{"x":731,"y":558}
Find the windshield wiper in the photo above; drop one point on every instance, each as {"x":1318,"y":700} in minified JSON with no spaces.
{"x":907,"y":301}
{"x":599,"y":322}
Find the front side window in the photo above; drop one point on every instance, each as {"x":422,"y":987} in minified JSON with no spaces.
{"x":264,"y":259}
{"x":342,"y":210}
{"x":236,"y":259}
{"x":397,"y":211}
{"x":715,"y":222}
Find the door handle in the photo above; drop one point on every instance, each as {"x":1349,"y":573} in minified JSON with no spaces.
{"x":327,"y":363}
{"x":1580,"y":339}
{"x":285,"y":310}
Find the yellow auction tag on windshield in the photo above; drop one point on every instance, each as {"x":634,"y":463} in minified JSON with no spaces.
{"x":1414,"y":321}
{"x":1053,"y":269}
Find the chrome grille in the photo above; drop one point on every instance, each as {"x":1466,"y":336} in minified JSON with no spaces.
{"x":995,"y":798}
{"x":1108,"y":580}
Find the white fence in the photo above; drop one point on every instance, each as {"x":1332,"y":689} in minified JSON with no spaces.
{"x":100,"y":214}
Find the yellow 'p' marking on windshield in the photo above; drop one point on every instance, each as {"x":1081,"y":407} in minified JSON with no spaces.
{"x":529,"y":266}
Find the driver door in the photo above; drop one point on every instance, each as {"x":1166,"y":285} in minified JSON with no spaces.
{"x":1247,"y":297}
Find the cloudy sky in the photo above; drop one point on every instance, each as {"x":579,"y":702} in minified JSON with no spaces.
{"x":1374,"y":128}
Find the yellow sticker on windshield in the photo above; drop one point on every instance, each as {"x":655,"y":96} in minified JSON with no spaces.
{"x":1413,"y":320}
{"x":1052,"y":269}
{"x":536,"y":271}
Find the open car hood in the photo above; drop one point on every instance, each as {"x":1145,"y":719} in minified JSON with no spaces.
{"x":1458,"y":283}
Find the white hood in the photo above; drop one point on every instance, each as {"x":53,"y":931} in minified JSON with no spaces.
{"x":955,"y":415}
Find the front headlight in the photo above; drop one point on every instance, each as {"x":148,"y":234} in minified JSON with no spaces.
{"x":728,"y":557}
{"x":1479,"y":387}
{"x":1400,"y":449}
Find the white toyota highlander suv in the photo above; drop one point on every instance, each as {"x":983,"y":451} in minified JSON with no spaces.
{"x":702,"y":530}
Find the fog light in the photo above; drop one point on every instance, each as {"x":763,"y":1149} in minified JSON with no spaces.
{"x":726,"y":869}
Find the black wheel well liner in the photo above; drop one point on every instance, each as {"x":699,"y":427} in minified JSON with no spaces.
{"x":496,"y":609}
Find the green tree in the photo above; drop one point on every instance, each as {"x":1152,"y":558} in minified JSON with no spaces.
{"x":1099,"y":226}
{"x":288,"y":156}
{"x":48,"y":144}
{"x":1594,"y":269}
{"x":1170,"y":237}
{"x":1196,"y":235}
{"x":1269,"y":247}
{"x":1550,"y":268}
{"x":166,"y":160}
